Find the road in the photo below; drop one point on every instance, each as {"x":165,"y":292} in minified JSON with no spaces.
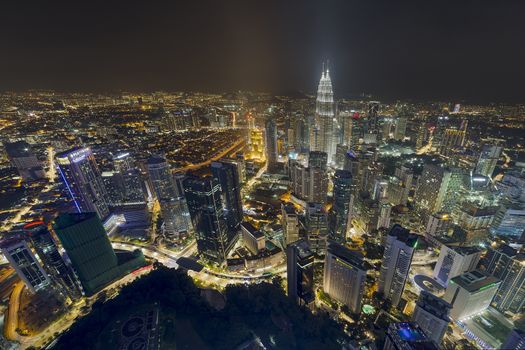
{"x":11,"y":323}
{"x":220,"y":155}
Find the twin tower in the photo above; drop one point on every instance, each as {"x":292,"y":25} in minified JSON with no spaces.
{"x":323,"y":136}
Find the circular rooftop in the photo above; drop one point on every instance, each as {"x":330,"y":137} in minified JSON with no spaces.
{"x":429,"y":284}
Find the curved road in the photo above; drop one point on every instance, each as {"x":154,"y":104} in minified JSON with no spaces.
{"x":11,"y":323}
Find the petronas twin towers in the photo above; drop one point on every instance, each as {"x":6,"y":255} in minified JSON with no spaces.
{"x":323,"y":136}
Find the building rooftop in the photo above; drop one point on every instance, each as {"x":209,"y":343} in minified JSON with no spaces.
{"x":352,"y":257}
{"x":475,"y":281}
{"x":402,"y":234}
{"x":465,"y":250}
{"x":409,"y":335}
{"x":69,"y":219}
{"x":434,"y":305}
{"x":252,"y":230}
{"x":18,"y":149}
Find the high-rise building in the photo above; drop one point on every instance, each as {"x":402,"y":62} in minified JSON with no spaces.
{"x":79,"y":172}
{"x":455,"y":261}
{"x":25,"y":263}
{"x":506,"y":264}
{"x":432,"y":315}
{"x":253,"y":239}
{"x":317,"y":185}
{"x":407,"y":336}
{"x":317,"y":159}
{"x":342,"y":192}
{"x":24,"y":160}
{"x":300,"y":272}
{"x":488,"y":158}
{"x":257,"y":151}
{"x":123,"y":162}
{"x":400,"y":129}
{"x":271,"y":143}
{"x":169,"y":193}
{"x":204,"y":197}
{"x":88,"y":247}
{"x":228,"y":177}
{"x":453,"y":138}
{"x":323,"y":133}
{"x":372,"y":127}
{"x":316,"y":224}
{"x":53,"y":263}
{"x":438,"y":189}
{"x":344,"y":276}
{"x":470,"y":293}
{"x":290,"y":223}
{"x":515,"y":340}
{"x":399,"y":250}
{"x":340,"y":154}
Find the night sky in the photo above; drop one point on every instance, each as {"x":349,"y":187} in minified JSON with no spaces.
{"x":454,"y":50}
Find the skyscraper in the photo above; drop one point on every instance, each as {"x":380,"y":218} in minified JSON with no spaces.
{"x":169,"y":193}
{"x":488,"y":158}
{"x":344,"y":276}
{"x":431,"y":314}
{"x":454,"y":261}
{"x":515,"y":340}
{"x":214,"y":238}
{"x":228,"y":177}
{"x":88,"y":247}
{"x":506,"y":264}
{"x":399,"y":250}
{"x":407,"y":336}
{"x":79,"y":172}
{"x":372,"y":127}
{"x":47,"y":250}
{"x":300,"y":272}
{"x":316,"y":224}
{"x":25,"y":263}
{"x":438,"y":189}
{"x":290,"y":223}
{"x":323,"y":136}
{"x":400,"y":129}
{"x":342,"y":193}
{"x":470,"y":293}
{"x":317,"y":159}
{"x":271,"y":143}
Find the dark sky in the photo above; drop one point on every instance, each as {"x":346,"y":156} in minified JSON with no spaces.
{"x":454,"y":50}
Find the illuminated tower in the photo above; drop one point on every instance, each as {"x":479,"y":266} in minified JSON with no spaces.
{"x":323,"y":132}
{"x":271,"y":143}
{"x":79,"y":172}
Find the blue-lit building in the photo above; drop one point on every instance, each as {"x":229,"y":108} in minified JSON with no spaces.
{"x":79,"y":172}
{"x":407,"y":336}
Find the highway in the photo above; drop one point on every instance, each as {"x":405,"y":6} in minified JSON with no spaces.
{"x":11,"y":323}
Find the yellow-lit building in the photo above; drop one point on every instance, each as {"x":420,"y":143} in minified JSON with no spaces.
{"x":257,"y":145}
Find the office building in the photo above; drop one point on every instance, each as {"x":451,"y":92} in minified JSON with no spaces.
{"x":400,"y":129}
{"x":316,"y":225}
{"x":79,"y":172}
{"x":454,"y":261}
{"x":300,"y":272}
{"x":290,"y":223}
{"x":317,"y":159}
{"x":22,"y":157}
{"x":169,"y":193}
{"x":407,"y":336}
{"x":399,"y":250}
{"x":271,"y":144}
{"x":432,"y":315}
{"x":204,"y":197}
{"x":515,"y":340}
{"x":372,"y":126}
{"x":227,"y":175}
{"x":52,"y":262}
{"x":438,"y":189}
{"x":344,"y":276}
{"x":25,"y":263}
{"x":508,"y":265}
{"x":322,"y":137}
{"x":470,"y":294}
{"x":257,"y":150}
{"x":253,"y":239}
{"x":343,"y":188}
{"x":89,"y":249}
{"x":488,"y":158}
